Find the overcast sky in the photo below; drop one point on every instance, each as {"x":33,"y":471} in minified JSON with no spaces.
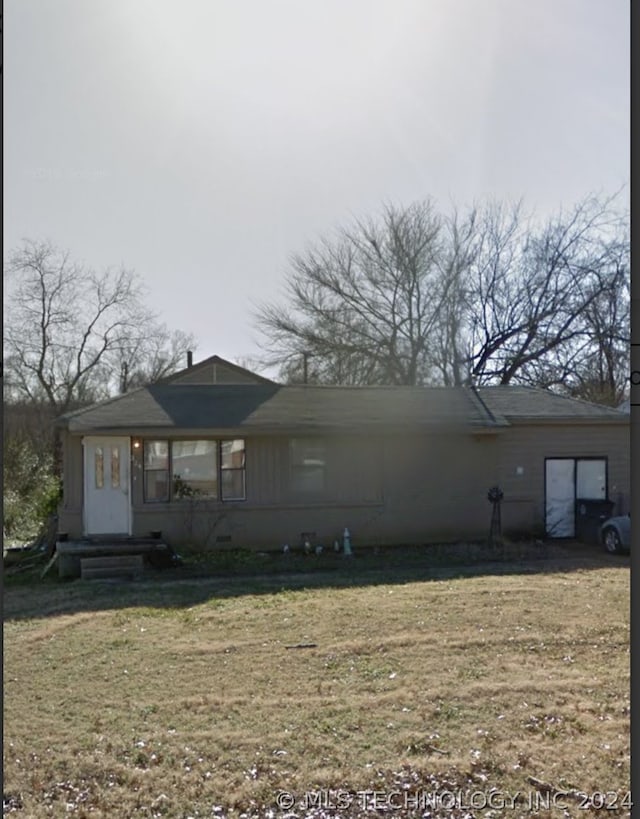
{"x":202,"y":142}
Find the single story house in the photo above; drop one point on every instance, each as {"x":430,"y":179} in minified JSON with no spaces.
{"x":218,"y":455}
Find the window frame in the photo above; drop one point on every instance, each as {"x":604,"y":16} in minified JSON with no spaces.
{"x":171,"y":497}
{"x":189,"y":490}
{"x":226,"y":470}
{"x":145,"y":471}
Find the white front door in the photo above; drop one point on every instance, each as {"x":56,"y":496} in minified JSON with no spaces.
{"x":107,"y":505}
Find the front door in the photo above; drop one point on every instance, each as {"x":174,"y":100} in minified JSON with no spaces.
{"x":565,"y":480}
{"x":107,"y":506}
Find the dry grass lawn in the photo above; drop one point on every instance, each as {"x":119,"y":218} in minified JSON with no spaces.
{"x":184,"y":700}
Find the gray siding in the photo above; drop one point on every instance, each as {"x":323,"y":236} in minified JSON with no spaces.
{"x":384,"y":488}
{"x":528,"y":446}
{"x":72,"y":472}
{"x":436,"y":486}
{"x":70,"y":510}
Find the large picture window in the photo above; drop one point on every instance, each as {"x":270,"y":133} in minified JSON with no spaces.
{"x":308,"y":465}
{"x":179,"y":469}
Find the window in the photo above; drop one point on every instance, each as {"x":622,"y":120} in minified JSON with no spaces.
{"x":174,"y":470}
{"x":308,"y":464}
{"x":232,"y":469}
{"x":99,"y":467}
{"x":115,"y":467}
{"x":156,"y":470}
{"x":194,"y":468}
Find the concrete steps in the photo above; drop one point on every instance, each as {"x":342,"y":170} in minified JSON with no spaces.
{"x":73,"y":554}
{"x":114,"y":567}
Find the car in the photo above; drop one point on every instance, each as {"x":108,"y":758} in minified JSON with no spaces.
{"x":615,"y":534}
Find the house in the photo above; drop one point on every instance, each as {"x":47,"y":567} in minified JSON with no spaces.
{"x":217,"y":454}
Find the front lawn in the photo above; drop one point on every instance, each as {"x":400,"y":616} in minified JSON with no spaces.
{"x":208,"y":698}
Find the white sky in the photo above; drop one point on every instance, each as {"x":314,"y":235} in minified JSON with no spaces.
{"x":202,"y":142}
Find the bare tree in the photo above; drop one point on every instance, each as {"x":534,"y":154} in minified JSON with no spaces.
{"x":63,"y":321}
{"x":475,"y":240}
{"x":483,"y":295}
{"x":362,"y":305}
{"x":595,"y":365}
{"x":539,"y":292}
{"x":73,"y":335}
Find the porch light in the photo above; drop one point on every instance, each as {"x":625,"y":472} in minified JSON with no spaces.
{"x":137,"y":443}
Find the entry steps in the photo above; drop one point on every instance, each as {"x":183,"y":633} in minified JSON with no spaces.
{"x":114,"y":567}
{"x":113,"y":557}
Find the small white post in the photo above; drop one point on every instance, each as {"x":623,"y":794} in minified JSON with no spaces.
{"x":346,"y":542}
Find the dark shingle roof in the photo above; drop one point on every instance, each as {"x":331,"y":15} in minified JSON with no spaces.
{"x":530,"y":403}
{"x":272,"y":407}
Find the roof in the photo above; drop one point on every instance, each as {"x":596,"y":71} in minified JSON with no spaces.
{"x":215,"y":370}
{"x":517,"y":403}
{"x":263,"y":407}
{"x":270,"y":407}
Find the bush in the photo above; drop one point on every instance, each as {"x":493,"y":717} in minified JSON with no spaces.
{"x":31,"y":491}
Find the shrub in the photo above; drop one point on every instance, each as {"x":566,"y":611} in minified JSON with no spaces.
{"x":31,"y":491}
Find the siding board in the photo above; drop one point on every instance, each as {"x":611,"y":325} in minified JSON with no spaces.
{"x":528,"y":446}
{"x":387,"y":488}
